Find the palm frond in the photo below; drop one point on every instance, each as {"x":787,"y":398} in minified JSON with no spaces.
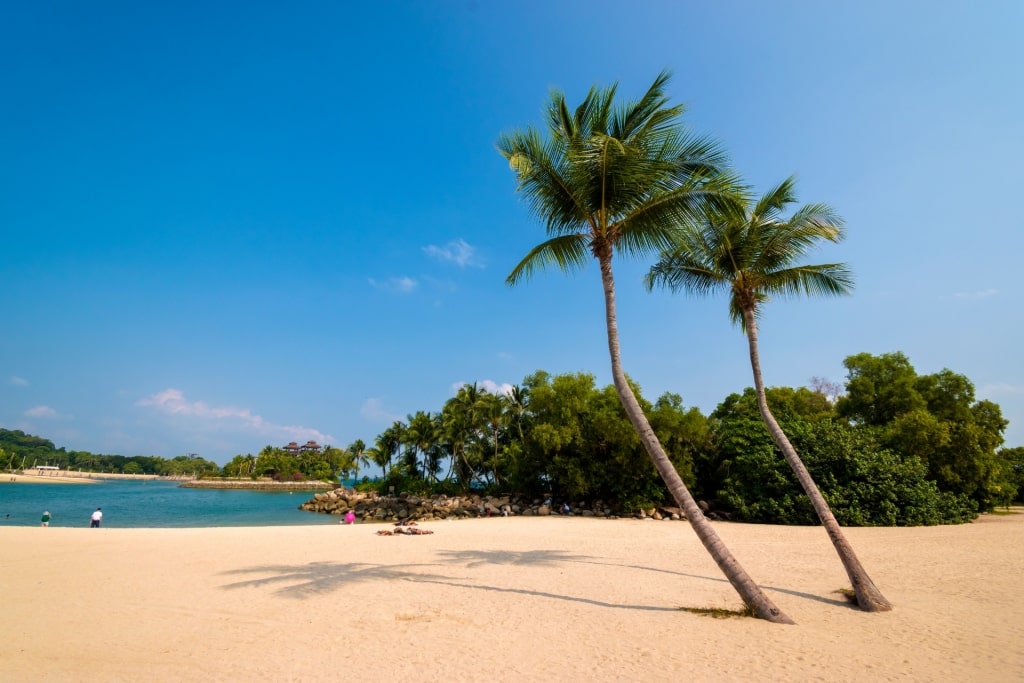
{"x":623,"y":176}
{"x":773,"y":202}
{"x":685,"y":269}
{"x":568,"y":252}
{"x":754,"y":253}
{"x":544,"y":182}
{"x":828,"y":279}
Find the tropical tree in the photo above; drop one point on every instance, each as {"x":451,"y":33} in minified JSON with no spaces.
{"x":755,"y":254}
{"x":357,"y":449}
{"x":462,"y":427}
{"x":611,"y":178}
{"x":383,"y":451}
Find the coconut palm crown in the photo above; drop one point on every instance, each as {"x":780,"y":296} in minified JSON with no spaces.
{"x":755,"y":254}
{"x":609,"y":178}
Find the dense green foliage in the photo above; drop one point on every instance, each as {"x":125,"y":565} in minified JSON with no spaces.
{"x":934,"y":418}
{"x":563,"y":436}
{"x":556,"y":436}
{"x":325,"y":463}
{"x":863,"y":483}
{"x":19,"y":450}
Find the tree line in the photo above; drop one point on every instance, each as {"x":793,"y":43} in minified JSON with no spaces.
{"x":20,"y":451}
{"x":897,"y":448}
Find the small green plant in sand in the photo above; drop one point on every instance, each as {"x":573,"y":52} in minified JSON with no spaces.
{"x":849,"y":594}
{"x":720,"y":612}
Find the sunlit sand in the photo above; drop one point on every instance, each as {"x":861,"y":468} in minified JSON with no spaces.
{"x":511,"y":599}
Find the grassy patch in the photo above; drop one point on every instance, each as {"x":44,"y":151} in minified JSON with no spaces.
{"x":719,"y":612}
{"x":849,"y":594}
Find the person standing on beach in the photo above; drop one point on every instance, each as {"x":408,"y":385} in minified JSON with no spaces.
{"x":46,"y":518}
{"x":97,"y":517}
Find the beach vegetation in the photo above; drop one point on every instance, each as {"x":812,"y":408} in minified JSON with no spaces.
{"x":864,"y":483}
{"x":754,"y":252}
{"x":26,"y":451}
{"x":934,"y":418}
{"x":720,"y":612}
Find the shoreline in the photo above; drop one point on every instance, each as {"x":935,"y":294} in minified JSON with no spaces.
{"x":508,"y":599}
{"x":36,"y":476}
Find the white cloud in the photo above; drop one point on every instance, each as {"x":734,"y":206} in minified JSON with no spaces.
{"x":396,"y":284}
{"x":172,"y":402}
{"x":373,"y":410}
{"x":18,"y":381}
{"x":41,"y":411}
{"x":971,"y":296}
{"x":459,"y":252}
{"x":490,"y":386}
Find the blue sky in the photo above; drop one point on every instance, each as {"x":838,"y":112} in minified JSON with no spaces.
{"x":227,"y":225}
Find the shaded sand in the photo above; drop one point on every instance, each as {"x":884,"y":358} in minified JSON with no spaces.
{"x":517,"y":599}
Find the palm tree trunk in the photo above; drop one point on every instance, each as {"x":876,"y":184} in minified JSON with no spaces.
{"x":869,"y":598}
{"x":749,"y":592}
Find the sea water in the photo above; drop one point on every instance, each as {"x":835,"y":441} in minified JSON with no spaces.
{"x":152,"y":503}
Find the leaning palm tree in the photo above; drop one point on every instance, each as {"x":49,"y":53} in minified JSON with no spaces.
{"x":754,"y":253}
{"x":613,"y":179}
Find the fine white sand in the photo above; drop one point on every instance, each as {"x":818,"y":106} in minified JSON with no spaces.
{"x":510,"y":599}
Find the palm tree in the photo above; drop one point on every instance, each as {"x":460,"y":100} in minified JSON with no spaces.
{"x":754,"y":254}
{"x":357,"y":449}
{"x":383,"y":451}
{"x":460,"y":419}
{"x":420,"y":436}
{"x":622,"y":179}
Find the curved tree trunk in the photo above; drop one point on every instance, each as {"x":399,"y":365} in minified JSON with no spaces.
{"x":749,"y":592}
{"x":869,"y":598}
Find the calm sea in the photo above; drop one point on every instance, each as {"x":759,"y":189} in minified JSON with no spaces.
{"x":144,"y":504}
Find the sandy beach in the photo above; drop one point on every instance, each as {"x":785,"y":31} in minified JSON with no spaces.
{"x":516,"y":599}
{"x":36,"y":476}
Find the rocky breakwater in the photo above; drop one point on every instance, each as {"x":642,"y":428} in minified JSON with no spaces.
{"x":372,"y":507}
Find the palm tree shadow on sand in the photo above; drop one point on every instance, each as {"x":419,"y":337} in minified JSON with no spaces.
{"x":319,"y":578}
{"x":475,"y":558}
{"x":316,"y":579}
{"x":787,"y":591}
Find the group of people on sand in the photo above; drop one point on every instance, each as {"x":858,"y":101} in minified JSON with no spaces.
{"x":405,"y":528}
{"x":94,"y":521}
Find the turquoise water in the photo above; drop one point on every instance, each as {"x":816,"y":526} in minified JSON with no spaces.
{"x":138,"y":504}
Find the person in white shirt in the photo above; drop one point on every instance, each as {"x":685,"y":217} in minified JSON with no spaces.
{"x":97,"y":517}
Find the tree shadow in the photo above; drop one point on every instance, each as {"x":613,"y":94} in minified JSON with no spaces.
{"x":319,"y":578}
{"x":476,"y":558}
{"x":787,"y":591}
{"x":539,"y":558}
